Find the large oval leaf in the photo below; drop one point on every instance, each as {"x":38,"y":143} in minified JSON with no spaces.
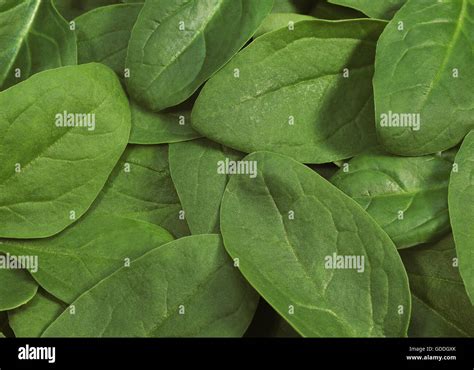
{"x":16,"y":287}
{"x":289,"y":229}
{"x":250,"y":105}
{"x":196,"y":171}
{"x":52,"y":178}
{"x":33,"y":37}
{"x":85,"y":253}
{"x":140,"y":187}
{"x":177,"y":45}
{"x":188,"y":287}
{"x":441,"y":307}
{"x":423,"y":77}
{"x":461,"y":210}
{"x":407,"y":196}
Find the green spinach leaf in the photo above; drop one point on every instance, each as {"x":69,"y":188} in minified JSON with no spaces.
{"x":424,"y":76}
{"x":441,"y":307}
{"x":171,"y":126}
{"x":275,"y":21}
{"x":188,"y":287}
{"x":33,"y":37}
{"x":407,"y":196}
{"x":79,"y":257}
{"x":461,"y":210}
{"x":270,"y":99}
{"x":16,"y":287}
{"x":59,"y":145}
{"x":103,"y":35}
{"x":324,"y":10}
{"x":177,"y":45}
{"x":140,"y":187}
{"x":382,"y":9}
{"x":34,"y":317}
{"x":313,"y":253}
{"x":198,"y":169}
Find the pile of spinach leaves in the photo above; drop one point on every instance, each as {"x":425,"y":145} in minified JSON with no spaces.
{"x":232,"y":168}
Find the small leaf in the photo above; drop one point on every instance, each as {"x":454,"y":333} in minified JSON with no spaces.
{"x":407,"y":196}
{"x":16,"y":288}
{"x":381,"y":9}
{"x":33,"y":318}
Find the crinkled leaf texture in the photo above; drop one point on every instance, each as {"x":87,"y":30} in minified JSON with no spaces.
{"x":441,"y":307}
{"x":286,"y":224}
{"x":259,"y":100}
{"x":50,"y":174}
{"x":33,"y":37}
{"x":85,"y":253}
{"x":177,"y":45}
{"x":461,"y":210}
{"x":424,"y":74}
{"x":407,"y":196}
{"x":185,"y":288}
